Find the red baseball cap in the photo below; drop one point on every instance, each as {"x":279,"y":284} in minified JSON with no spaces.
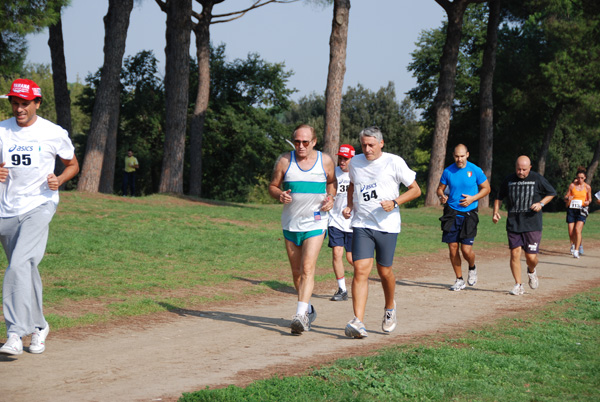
{"x":25,"y":89}
{"x":347,"y":151}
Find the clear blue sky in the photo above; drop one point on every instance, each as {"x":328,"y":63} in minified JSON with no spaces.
{"x":382,"y":34}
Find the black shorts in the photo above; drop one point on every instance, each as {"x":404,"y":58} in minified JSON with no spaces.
{"x":529,"y":241}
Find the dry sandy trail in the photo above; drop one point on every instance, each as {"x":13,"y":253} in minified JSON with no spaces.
{"x":236,"y":343}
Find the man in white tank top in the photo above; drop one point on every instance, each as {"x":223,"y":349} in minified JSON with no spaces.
{"x":304,"y":181}
{"x":373,"y":200}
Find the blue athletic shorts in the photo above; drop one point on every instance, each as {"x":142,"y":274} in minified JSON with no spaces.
{"x":339,"y":238}
{"x":367,"y":242}
{"x":453,"y":236}
{"x":298,"y":237}
{"x":529,"y":241}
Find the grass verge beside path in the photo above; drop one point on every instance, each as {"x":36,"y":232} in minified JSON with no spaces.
{"x":549,"y":355}
{"x":111,"y":257}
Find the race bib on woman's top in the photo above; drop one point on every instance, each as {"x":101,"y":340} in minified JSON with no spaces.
{"x":576,"y":204}
{"x":21,"y":154}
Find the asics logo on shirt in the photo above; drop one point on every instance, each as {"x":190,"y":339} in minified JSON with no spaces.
{"x":21,"y":148}
{"x":365,"y":187}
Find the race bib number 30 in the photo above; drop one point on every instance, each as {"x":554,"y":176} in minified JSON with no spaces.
{"x":21,"y":155}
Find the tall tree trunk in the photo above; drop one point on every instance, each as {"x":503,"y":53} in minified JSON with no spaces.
{"x":442,"y":103}
{"x":486,"y":117}
{"x":106,"y":106}
{"x":335,"y":77}
{"x":62,"y":99}
{"x":591,"y":170}
{"x":202,"y":33}
{"x":548,"y":138}
{"x":177,"y":74}
{"x":107,"y":178}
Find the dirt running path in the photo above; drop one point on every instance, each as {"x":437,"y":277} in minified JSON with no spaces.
{"x":238,"y":343}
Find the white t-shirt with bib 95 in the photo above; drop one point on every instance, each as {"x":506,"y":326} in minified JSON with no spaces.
{"x":29,"y":153}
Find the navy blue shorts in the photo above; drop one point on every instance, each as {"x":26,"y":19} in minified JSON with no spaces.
{"x":453,"y":236}
{"x":367,"y":242}
{"x":576,"y":215}
{"x":339,"y":238}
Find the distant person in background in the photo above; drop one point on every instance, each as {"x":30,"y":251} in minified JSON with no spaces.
{"x":577,"y":200}
{"x":28,"y":199}
{"x":340,"y":231}
{"x":526,"y":192}
{"x":374,"y":201}
{"x":467,"y":184}
{"x":304,"y":182}
{"x":131,"y":165}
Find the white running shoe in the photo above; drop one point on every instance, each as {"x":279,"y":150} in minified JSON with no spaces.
{"x":355,"y":329}
{"x":575,"y":254}
{"x":533,"y":280}
{"x":580,"y":250}
{"x":38,"y":340}
{"x":389,"y":320}
{"x":472,"y":279}
{"x":458,"y":285}
{"x":572,"y":248}
{"x":13,"y":345}
{"x":300,"y":323}
{"x":517,"y":290}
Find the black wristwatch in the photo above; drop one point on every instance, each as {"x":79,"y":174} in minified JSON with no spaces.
{"x":395,"y":204}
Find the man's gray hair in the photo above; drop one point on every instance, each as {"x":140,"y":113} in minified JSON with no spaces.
{"x":372,"y":131}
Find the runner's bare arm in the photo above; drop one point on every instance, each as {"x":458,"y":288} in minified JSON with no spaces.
{"x":281,"y":166}
{"x":331,"y":182}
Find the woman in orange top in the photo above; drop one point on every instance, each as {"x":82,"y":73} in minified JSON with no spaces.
{"x":577,"y":199}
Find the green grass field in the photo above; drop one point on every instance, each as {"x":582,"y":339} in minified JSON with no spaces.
{"x":109,"y":257}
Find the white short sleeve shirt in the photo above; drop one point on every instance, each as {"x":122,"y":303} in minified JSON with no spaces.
{"x":376,"y":181}
{"x":29,"y":153}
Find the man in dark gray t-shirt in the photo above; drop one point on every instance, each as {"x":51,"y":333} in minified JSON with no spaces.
{"x":526,"y":192}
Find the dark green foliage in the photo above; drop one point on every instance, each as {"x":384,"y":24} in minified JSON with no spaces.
{"x":547,"y":60}
{"x":243,"y":135}
{"x":362,"y":108}
{"x":17,"y":19}
{"x":141,"y":118}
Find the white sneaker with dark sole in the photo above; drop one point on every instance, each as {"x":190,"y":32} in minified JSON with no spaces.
{"x":300,"y":323}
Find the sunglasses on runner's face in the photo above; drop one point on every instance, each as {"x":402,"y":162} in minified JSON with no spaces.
{"x":304,"y":143}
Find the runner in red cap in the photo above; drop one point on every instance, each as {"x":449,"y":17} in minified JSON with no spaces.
{"x":29,"y":145}
{"x":340,"y":231}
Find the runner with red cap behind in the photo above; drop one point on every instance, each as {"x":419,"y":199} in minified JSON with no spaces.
{"x":29,"y":145}
{"x":340,"y":230}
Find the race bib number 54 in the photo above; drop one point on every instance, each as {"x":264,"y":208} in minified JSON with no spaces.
{"x":21,"y":155}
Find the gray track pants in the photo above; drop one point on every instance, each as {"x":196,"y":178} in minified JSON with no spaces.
{"x":24,"y":239}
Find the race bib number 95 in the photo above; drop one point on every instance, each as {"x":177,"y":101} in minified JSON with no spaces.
{"x":21,"y":155}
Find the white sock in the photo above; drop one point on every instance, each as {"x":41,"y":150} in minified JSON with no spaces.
{"x":302,"y":308}
{"x":342,"y":283}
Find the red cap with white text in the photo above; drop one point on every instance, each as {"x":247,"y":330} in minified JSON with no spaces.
{"x":25,"y":89}
{"x":346,"y":150}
